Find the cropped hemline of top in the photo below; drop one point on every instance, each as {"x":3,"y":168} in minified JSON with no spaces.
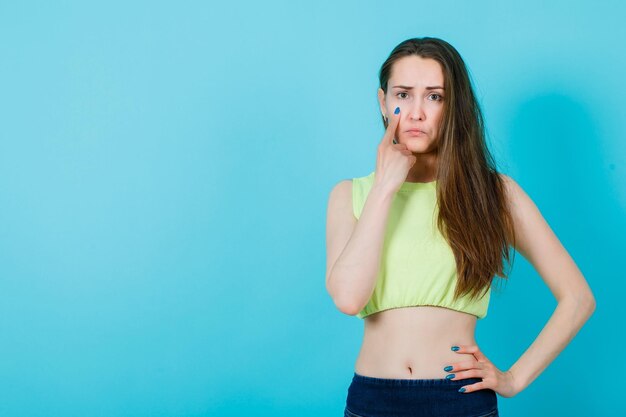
{"x":417,"y":266}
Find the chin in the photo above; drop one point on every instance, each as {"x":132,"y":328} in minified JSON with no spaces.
{"x":416,"y":145}
{"x":421,"y":149}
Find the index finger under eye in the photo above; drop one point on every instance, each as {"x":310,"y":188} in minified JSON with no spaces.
{"x":392,"y":126}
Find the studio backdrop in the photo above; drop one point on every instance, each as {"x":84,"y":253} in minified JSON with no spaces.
{"x":165,"y":169}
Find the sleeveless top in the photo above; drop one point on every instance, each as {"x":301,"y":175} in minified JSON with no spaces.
{"x":417,"y":265}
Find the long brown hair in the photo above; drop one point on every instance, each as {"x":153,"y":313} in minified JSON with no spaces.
{"x":472,"y":212}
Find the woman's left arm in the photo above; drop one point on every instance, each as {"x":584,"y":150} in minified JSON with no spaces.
{"x":536,"y":241}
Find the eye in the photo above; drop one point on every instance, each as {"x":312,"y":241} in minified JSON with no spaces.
{"x":403,"y":92}
{"x":438,"y":95}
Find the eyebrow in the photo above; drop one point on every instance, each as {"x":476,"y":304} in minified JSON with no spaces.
{"x":406,"y":87}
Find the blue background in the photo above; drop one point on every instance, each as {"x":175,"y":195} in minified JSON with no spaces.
{"x":164,"y":176}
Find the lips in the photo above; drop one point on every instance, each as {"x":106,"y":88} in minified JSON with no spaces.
{"x":415,"y":133}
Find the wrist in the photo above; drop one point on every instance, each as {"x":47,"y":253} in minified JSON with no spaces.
{"x":382,"y":192}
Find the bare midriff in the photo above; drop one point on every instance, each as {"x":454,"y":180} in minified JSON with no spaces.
{"x":414,"y":342}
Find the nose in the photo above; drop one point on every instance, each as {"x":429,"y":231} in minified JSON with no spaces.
{"x":417,"y":113}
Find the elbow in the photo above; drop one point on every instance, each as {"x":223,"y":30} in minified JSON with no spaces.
{"x":346,"y":306}
{"x":592,"y":304}
{"x":349,"y":309}
{"x":343,"y":302}
{"x":586,"y":302}
{"x":345,"y":309}
{"x":581,"y":301}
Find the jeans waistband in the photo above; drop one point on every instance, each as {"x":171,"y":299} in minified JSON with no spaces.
{"x":358,"y":378}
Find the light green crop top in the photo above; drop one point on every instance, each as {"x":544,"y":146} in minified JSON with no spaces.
{"x":417,"y":264}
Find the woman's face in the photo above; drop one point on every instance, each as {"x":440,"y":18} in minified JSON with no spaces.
{"x":416,"y":86}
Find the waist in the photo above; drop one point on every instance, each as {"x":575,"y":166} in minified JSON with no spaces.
{"x":414,"y":342}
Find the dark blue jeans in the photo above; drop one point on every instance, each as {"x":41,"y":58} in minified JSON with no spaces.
{"x":382,"y":397}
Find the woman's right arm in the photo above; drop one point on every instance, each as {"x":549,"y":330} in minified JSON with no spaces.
{"x":354,"y":247}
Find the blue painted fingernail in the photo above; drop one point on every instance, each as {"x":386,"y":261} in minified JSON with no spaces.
{"x":462,"y":390}
{"x":455,"y":348}
{"x":447,"y":368}
{"x":450,"y":376}
{"x":397,"y":110}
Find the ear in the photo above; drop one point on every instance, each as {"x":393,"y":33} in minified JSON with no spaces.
{"x":381,"y":102}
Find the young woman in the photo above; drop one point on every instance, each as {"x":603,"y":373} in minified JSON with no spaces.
{"x":412,"y":249}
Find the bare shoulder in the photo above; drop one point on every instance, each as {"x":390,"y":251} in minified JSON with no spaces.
{"x":508,"y":182}
{"x":516,"y":197}
{"x":340,"y":202}
{"x":340,"y":198}
{"x":341,"y":190}
{"x":519,"y":203}
{"x":532,"y":231}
